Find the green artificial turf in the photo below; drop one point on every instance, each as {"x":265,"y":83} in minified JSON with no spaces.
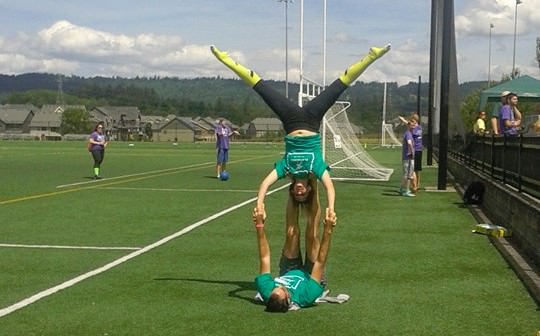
{"x":411,"y":265}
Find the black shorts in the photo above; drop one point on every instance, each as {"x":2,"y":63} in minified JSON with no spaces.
{"x":418,"y":161}
{"x":294,"y":117}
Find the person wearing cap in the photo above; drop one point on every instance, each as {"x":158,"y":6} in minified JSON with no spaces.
{"x":495,"y":113}
{"x":509,"y":116}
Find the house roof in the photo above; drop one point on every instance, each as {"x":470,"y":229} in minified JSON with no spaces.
{"x":46,"y":119}
{"x":115,"y":112}
{"x":51,"y":115}
{"x":213,"y":122}
{"x":60,"y":109}
{"x":16,"y":113}
{"x":267,"y":124}
{"x":160,"y":122}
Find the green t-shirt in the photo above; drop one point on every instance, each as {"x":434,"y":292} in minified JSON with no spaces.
{"x":303,"y":289}
{"x":303,"y":155}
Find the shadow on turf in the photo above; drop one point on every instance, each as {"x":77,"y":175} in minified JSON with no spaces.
{"x":391,"y":192}
{"x":242,"y":286}
{"x":367,"y":183}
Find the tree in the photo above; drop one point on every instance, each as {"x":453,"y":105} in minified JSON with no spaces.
{"x":148,"y":131}
{"x":75,"y":121}
{"x":469,"y":108}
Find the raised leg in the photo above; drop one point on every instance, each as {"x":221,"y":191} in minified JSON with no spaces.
{"x":250,"y":77}
{"x":355,"y":70}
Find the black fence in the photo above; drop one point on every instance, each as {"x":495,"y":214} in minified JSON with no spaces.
{"x":513,"y":160}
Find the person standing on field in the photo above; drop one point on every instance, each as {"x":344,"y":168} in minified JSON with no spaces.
{"x":407,"y":157}
{"x":223,"y":132}
{"x":418,"y":148}
{"x":416,"y":133}
{"x":96,"y":144}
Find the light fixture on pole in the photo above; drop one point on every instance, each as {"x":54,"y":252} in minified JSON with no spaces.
{"x":513,"y":75}
{"x":491,"y":26}
{"x":286,"y":45}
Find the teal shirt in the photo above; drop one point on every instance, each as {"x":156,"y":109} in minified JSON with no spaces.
{"x":303,"y":289}
{"x":303,"y":155}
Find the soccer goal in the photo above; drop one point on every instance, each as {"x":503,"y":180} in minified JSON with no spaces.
{"x":341,"y":148}
{"x":388,"y":137}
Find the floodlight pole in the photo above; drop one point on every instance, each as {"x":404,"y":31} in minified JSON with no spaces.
{"x":515,"y":33}
{"x":324,"y":44}
{"x":286,"y":46}
{"x":300,"y":103}
{"x":323,"y":131}
{"x":489,"y":55}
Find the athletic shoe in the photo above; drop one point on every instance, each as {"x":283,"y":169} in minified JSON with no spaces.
{"x":258,"y":297}
{"x":97,"y":177}
{"x":408,"y":194}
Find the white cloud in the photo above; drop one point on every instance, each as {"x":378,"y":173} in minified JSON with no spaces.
{"x":143,"y":42}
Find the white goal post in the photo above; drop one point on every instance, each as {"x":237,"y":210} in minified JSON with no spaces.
{"x":342,"y":149}
{"x":387,"y":129}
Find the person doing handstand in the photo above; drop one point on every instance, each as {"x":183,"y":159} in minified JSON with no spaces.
{"x":303,"y":155}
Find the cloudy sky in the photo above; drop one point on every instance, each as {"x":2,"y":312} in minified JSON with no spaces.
{"x":131,"y":38}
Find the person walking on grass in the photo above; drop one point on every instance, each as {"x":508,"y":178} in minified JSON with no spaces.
{"x":303,"y":155}
{"x":96,"y":145}
{"x":407,"y":159}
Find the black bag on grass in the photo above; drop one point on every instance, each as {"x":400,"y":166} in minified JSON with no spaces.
{"x":474,"y":194}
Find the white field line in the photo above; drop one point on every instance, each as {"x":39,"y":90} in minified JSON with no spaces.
{"x":132,"y":175}
{"x":181,"y":190}
{"x":38,"y":296}
{"x":70,"y":247}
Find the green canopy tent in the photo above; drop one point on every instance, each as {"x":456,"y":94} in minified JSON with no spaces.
{"x":526,"y":87}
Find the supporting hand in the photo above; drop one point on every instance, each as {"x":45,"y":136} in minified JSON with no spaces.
{"x":330,"y":219}
{"x":258,"y":216}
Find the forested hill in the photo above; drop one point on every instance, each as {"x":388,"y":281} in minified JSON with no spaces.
{"x":215,"y":97}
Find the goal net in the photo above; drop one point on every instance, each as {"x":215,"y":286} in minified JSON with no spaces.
{"x":341,"y":148}
{"x":388,"y":137}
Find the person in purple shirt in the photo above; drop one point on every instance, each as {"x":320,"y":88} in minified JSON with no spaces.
{"x":418,"y":147}
{"x":96,"y":145}
{"x":509,"y":116}
{"x":407,"y":156}
{"x":223,"y":132}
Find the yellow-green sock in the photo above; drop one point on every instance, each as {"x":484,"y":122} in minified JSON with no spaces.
{"x":246,"y":74}
{"x":355,"y":70}
{"x":96,"y":171}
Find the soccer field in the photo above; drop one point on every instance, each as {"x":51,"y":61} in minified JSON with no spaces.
{"x":162,"y":247}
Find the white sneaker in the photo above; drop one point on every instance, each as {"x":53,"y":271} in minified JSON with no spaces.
{"x":258,"y":297}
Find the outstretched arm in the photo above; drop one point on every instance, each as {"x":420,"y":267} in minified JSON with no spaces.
{"x":263,"y":189}
{"x":403,"y":120}
{"x":262,"y":242}
{"x":319,"y":265}
{"x":330,"y":191}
